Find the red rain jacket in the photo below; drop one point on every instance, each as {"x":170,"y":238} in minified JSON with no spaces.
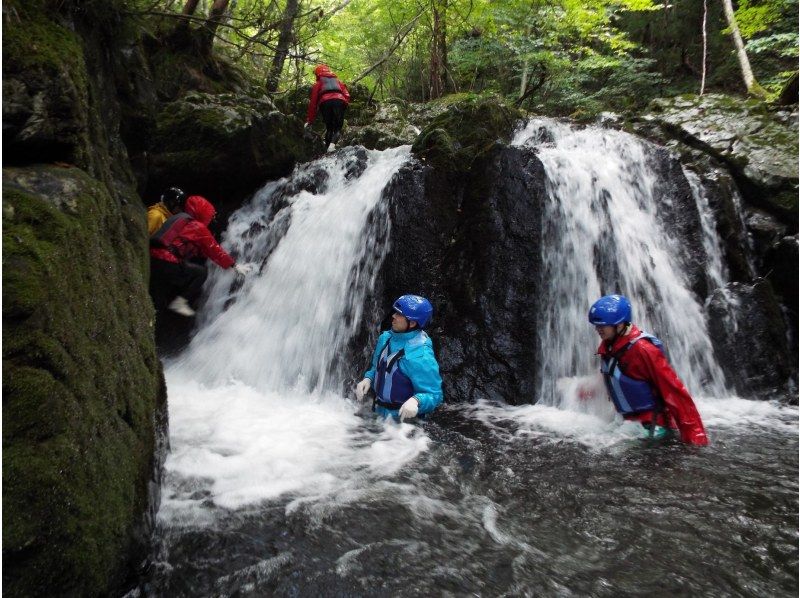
{"x":195,"y":239}
{"x":645,"y":361}
{"x":318,"y":96}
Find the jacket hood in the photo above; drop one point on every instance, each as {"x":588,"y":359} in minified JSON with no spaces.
{"x":200,"y":209}
{"x":620,"y":342}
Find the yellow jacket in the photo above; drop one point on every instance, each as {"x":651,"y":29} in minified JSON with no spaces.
{"x":157,"y":215}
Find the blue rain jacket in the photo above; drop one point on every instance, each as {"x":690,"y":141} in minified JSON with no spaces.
{"x":418,"y":364}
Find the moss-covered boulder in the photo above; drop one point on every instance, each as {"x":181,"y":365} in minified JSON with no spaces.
{"x":83,"y":393}
{"x":465,"y":127}
{"x":756,"y":142}
{"x":223,"y":146}
{"x":45,"y":88}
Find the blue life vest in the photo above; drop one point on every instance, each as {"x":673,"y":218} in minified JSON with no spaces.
{"x":392,"y":386}
{"x":629,"y":394}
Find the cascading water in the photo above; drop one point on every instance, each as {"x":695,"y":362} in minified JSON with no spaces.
{"x":278,"y":485}
{"x":604,"y":234}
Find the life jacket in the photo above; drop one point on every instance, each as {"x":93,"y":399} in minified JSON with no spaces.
{"x":170,"y":230}
{"x":329,"y":85}
{"x":392,"y":386}
{"x":629,"y":394}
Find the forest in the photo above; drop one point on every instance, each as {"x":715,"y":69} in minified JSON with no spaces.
{"x":564,"y":57}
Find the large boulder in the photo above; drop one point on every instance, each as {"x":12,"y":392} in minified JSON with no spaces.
{"x":223,"y":146}
{"x":467,"y":243}
{"x":757,"y":143}
{"x":83,"y":394}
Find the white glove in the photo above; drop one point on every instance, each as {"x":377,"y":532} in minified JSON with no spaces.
{"x":409,"y":409}
{"x":362,"y":388}
{"x":242,"y":269}
{"x":305,"y":126}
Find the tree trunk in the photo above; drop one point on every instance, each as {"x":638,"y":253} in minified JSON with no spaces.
{"x":284,"y":40}
{"x":215,"y":17}
{"x":753,"y":88}
{"x":190,"y":7}
{"x":705,"y":48}
{"x":438,"y":65}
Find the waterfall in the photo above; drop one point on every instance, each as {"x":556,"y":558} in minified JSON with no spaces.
{"x":315,"y":262}
{"x":604,"y":232}
{"x":255,"y":401}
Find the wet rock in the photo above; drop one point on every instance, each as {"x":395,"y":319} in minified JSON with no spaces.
{"x":749,"y":335}
{"x":467,"y":243}
{"x":758,"y":144}
{"x":240,"y":141}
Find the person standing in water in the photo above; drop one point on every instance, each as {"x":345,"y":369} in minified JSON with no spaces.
{"x":404,"y":372}
{"x":331,"y":96}
{"x":640,"y":381}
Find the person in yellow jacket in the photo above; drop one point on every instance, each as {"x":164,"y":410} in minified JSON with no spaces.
{"x":171,"y":203}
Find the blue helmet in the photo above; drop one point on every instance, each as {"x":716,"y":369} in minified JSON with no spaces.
{"x":414,"y":308}
{"x":610,"y":311}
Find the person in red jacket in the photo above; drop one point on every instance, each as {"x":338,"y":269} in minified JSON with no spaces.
{"x":640,"y":381}
{"x":182,"y":238}
{"x":332,"y":98}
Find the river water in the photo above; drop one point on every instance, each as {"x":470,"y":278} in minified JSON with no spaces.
{"x":276,"y":484}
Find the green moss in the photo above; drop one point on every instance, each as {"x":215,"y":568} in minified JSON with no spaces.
{"x":36,"y":42}
{"x":469,"y":127}
{"x":81,"y":383}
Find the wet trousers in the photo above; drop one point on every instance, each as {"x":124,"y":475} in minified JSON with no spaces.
{"x":167,"y":280}
{"x":333,"y":114}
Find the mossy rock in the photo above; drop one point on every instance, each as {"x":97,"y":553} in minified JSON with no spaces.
{"x":240,"y":141}
{"x":45,"y":88}
{"x":82,"y":386}
{"x":467,"y":127}
{"x":757,"y":142}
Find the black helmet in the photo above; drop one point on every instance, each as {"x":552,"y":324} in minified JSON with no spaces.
{"x":173,"y":199}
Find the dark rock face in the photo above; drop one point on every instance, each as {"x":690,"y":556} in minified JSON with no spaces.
{"x":468,"y":243}
{"x":84,"y":401}
{"x":240,"y":142}
{"x":748,"y":329}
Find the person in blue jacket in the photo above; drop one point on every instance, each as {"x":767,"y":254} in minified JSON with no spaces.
{"x":404,"y":372}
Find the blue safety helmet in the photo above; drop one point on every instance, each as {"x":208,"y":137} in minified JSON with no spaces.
{"x":610,"y":311}
{"x":414,"y":308}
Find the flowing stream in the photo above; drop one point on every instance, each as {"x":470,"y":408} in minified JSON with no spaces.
{"x":276,"y":484}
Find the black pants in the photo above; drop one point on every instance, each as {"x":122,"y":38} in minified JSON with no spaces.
{"x":167,"y":280}
{"x":333,"y":114}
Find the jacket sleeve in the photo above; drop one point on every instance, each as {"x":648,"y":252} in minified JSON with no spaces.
{"x":198,"y":235}
{"x":376,"y":354}
{"x":155,"y":219}
{"x":423,"y":371}
{"x":312,"y":103}
{"x":677,"y":399}
{"x":345,"y":92}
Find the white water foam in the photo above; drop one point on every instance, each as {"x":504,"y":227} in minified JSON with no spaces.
{"x":254,"y":409}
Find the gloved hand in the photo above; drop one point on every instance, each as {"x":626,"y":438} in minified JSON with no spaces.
{"x":305,"y":126}
{"x":242,"y":269}
{"x":409,"y":409}
{"x":362,"y":388}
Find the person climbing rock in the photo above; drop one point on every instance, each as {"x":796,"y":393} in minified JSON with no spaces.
{"x":404,"y":372}
{"x":171,"y":202}
{"x":640,"y":381}
{"x":331,"y":97}
{"x":174,"y":276}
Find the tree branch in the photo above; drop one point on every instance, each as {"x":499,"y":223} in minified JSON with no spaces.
{"x":401,"y":35}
